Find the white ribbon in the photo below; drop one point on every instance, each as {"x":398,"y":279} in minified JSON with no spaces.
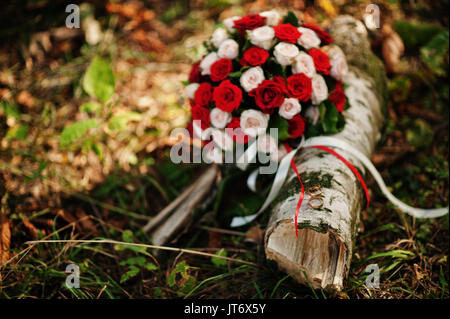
{"x":333,"y":142}
{"x":278,"y":182}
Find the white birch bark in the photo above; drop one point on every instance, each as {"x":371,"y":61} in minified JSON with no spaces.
{"x":323,"y":250}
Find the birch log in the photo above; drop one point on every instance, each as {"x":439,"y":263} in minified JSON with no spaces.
{"x":322,"y":253}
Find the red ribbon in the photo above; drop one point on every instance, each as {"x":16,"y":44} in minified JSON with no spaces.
{"x":302,"y":193}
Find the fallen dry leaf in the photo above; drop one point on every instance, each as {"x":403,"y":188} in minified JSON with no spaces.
{"x":86,"y":222}
{"x":25,"y":98}
{"x":32,"y":230}
{"x":328,"y":7}
{"x":5,"y":238}
{"x":254,"y":235}
{"x":392,"y":48}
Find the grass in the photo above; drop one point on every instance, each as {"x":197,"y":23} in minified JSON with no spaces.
{"x":412,"y":254}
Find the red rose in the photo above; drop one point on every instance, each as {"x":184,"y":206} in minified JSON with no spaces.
{"x":296,"y":126}
{"x":299,"y":86}
{"x":203,"y":94}
{"x":287,"y":32}
{"x":323,"y":36}
{"x":220,"y":69}
{"x":194,"y":75}
{"x":254,"y":56}
{"x":338,"y":97}
{"x":249,"y":22}
{"x":201,"y":114}
{"x":227,"y":96}
{"x":282,"y":82}
{"x":236,"y":133}
{"x":268,"y":95}
{"x":321,"y":61}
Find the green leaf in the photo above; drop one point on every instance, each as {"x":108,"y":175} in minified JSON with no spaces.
{"x":329,"y":116}
{"x":415,"y":34}
{"x":291,"y":18}
{"x":76,"y":130}
{"x":281,"y":124}
{"x":420,"y":134}
{"x":10,"y":109}
{"x":220,"y":262}
{"x":97,"y":150}
{"x":91,"y":107}
{"x":235,"y":74}
{"x":17,"y":132}
{"x":150,"y":266}
{"x":99,"y":80}
{"x":434,"y":53}
{"x":180,"y":268}
{"x":120,"y":122}
{"x":132,"y":272}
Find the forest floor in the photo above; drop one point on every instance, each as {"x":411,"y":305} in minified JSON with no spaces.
{"x":58,"y":184}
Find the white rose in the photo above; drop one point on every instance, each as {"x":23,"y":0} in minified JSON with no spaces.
{"x":251,"y":78}
{"x":218,"y":36}
{"x":254,"y":123}
{"x":285,"y":53}
{"x":312,"y":113}
{"x":273,"y":17}
{"x":228,"y":49}
{"x":290,"y":108}
{"x":279,"y":154}
{"x":222,"y":139}
{"x":206,"y":63}
{"x":229,"y":23}
{"x":308,"y":39}
{"x":304,"y":63}
{"x":319,"y":89}
{"x":263,"y":37}
{"x":212,"y":153}
{"x":267,"y":144}
{"x":338,"y":62}
{"x":190,"y":90}
{"x":219,"y":118}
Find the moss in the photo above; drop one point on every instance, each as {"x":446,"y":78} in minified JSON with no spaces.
{"x":315,"y":178}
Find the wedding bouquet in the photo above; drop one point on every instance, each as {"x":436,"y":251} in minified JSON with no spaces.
{"x":266,"y":71}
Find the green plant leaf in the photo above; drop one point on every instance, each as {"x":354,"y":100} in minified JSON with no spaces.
{"x":219,"y":262}
{"x":329,"y":116}
{"x":132,"y":272}
{"x":420,"y":134}
{"x":17,"y":132}
{"x":91,"y":107}
{"x":120,"y":122}
{"x":235,"y":74}
{"x":415,"y":34}
{"x":281,"y":124}
{"x":10,"y":109}
{"x":99,"y":80}
{"x":291,"y":18}
{"x":76,"y":130}
{"x":180,"y":268}
{"x":434,"y":53}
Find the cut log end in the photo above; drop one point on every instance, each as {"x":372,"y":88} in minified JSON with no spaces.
{"x":318,"y":259}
